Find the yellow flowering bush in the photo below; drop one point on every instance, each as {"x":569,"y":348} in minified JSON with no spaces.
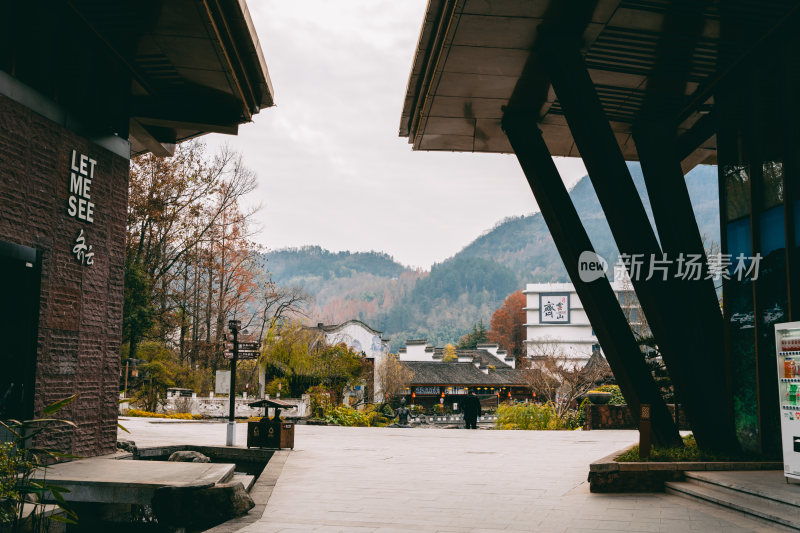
{"x":534,"y":416}
{"x":173,"y":416}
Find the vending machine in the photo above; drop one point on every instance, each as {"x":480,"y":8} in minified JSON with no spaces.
{"x":787,"y":346}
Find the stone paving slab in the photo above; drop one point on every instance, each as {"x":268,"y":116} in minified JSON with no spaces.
{"x":104,"y":479}
{"x":387,"y":480}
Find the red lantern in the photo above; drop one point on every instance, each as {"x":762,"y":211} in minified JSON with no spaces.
{"x":414,"y":395}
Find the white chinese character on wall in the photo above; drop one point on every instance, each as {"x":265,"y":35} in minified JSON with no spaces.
{"x":83,"y":252}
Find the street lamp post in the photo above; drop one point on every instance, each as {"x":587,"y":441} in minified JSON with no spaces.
{"x":233,"y":325}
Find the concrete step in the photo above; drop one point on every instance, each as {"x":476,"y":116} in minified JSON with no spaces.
{"x":247,"y":480}
{"x":229,"y":476}
{"x":754,"y":505}
{"x":769,"y":484}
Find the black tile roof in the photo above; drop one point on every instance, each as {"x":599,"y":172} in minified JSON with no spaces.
{"x":438,"y":373}
{"x":478,"y":356}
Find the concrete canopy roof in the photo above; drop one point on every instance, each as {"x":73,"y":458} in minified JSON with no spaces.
{"x":471,"y":54}
{"x":195,"y":66}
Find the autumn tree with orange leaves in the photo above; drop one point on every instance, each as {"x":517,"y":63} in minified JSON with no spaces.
{"x":191,"y":263}
{"x":507,"y":327}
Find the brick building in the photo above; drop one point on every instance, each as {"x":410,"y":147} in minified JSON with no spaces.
{"x":83,"y":86}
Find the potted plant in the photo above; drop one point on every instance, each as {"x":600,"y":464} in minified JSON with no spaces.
{"x":599,"y":397}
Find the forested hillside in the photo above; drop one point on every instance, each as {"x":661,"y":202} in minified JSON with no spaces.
{"x":441,"y":305}
{"x":524,"y":243}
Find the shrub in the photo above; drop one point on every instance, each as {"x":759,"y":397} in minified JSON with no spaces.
{"x":277,"y":385}
{"x":173,"y":416}
{"x":688,"y":452}
{"x":582,"y":411}
{"x":616,"y":395}
{"x":535,"y":417}
{"x":23,"y":472}
{"x":320,"y":400}
{"x":377,"y":416}
{"x":343,"y":415}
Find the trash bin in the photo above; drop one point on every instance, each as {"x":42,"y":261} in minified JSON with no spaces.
{"x":271,"y":432}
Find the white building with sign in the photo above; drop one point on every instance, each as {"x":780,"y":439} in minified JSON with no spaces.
{"x":556,"y":321}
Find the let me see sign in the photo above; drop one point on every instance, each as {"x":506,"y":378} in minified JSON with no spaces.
{"x":81,"y":174}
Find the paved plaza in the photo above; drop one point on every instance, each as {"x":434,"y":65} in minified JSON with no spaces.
{"x":445,"y":480}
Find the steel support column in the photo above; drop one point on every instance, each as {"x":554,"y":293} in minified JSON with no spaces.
{"x":598,"y":299}
{"x":687,"y":364}
{"x":679,"y":234}
{"x":655,"y":135}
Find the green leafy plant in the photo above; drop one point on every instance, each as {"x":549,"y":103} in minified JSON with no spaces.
{"x":616,"y":396}
{"x":378,"y":415}
{"x":688,"y":452}
{"x":23,"y":474}
{"x":320,"y":400}
{"x":342,"y":415}
{"x":276,"y":386}
{"x":536,"y":417}
{"x":582,"y":410}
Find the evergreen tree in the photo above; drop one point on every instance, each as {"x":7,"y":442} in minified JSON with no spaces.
{"x":477,"y":336}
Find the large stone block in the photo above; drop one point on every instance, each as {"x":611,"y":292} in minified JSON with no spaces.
{"x":193,"y":508}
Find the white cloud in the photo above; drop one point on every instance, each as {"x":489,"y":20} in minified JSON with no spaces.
{"x":332,"y":169}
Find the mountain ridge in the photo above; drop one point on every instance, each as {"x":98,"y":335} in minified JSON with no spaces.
{"x":442,"y":303}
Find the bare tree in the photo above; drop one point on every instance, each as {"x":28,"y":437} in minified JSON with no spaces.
{"x":175,"y":207}
{"x":393,"y":377}
{"x":557,"y":378}
{"x":280,"y":303}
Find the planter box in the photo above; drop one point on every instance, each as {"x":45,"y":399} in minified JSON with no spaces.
{"x":599,"y":398}
{"x":607,"y":475}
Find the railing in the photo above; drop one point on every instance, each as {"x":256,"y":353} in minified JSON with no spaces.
{"x":215,"y":406}
{"x":450,"y":419}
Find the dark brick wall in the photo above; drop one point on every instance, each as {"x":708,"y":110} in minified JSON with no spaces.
{"x":80,"y":314}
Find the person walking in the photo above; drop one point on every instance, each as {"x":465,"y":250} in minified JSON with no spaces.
{"x":472,"y":410}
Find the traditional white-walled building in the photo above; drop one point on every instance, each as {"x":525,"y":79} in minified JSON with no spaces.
{"x":420,"y":350}
{"x":556,"y":318}
{"x":487,"y":370}
{"x":356,"y":335}
{"x":361,"y":338}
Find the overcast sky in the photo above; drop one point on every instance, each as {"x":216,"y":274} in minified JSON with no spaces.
{"x":331,"y":168}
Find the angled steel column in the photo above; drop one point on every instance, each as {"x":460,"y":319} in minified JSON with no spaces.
{"x":655,"y":135}
{"x":688,"y":366}
{"x":679,"y":234}
{"x":598,"y":299}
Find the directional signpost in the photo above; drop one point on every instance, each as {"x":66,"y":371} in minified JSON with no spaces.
{"x":234,"y":326}
{"x":247,"y":350}
{"x":236,"y":351}
{"x":243,"y":354}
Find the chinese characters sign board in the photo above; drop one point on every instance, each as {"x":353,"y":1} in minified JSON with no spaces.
{"x":554,"y":308}
{"x":79,"y":202}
